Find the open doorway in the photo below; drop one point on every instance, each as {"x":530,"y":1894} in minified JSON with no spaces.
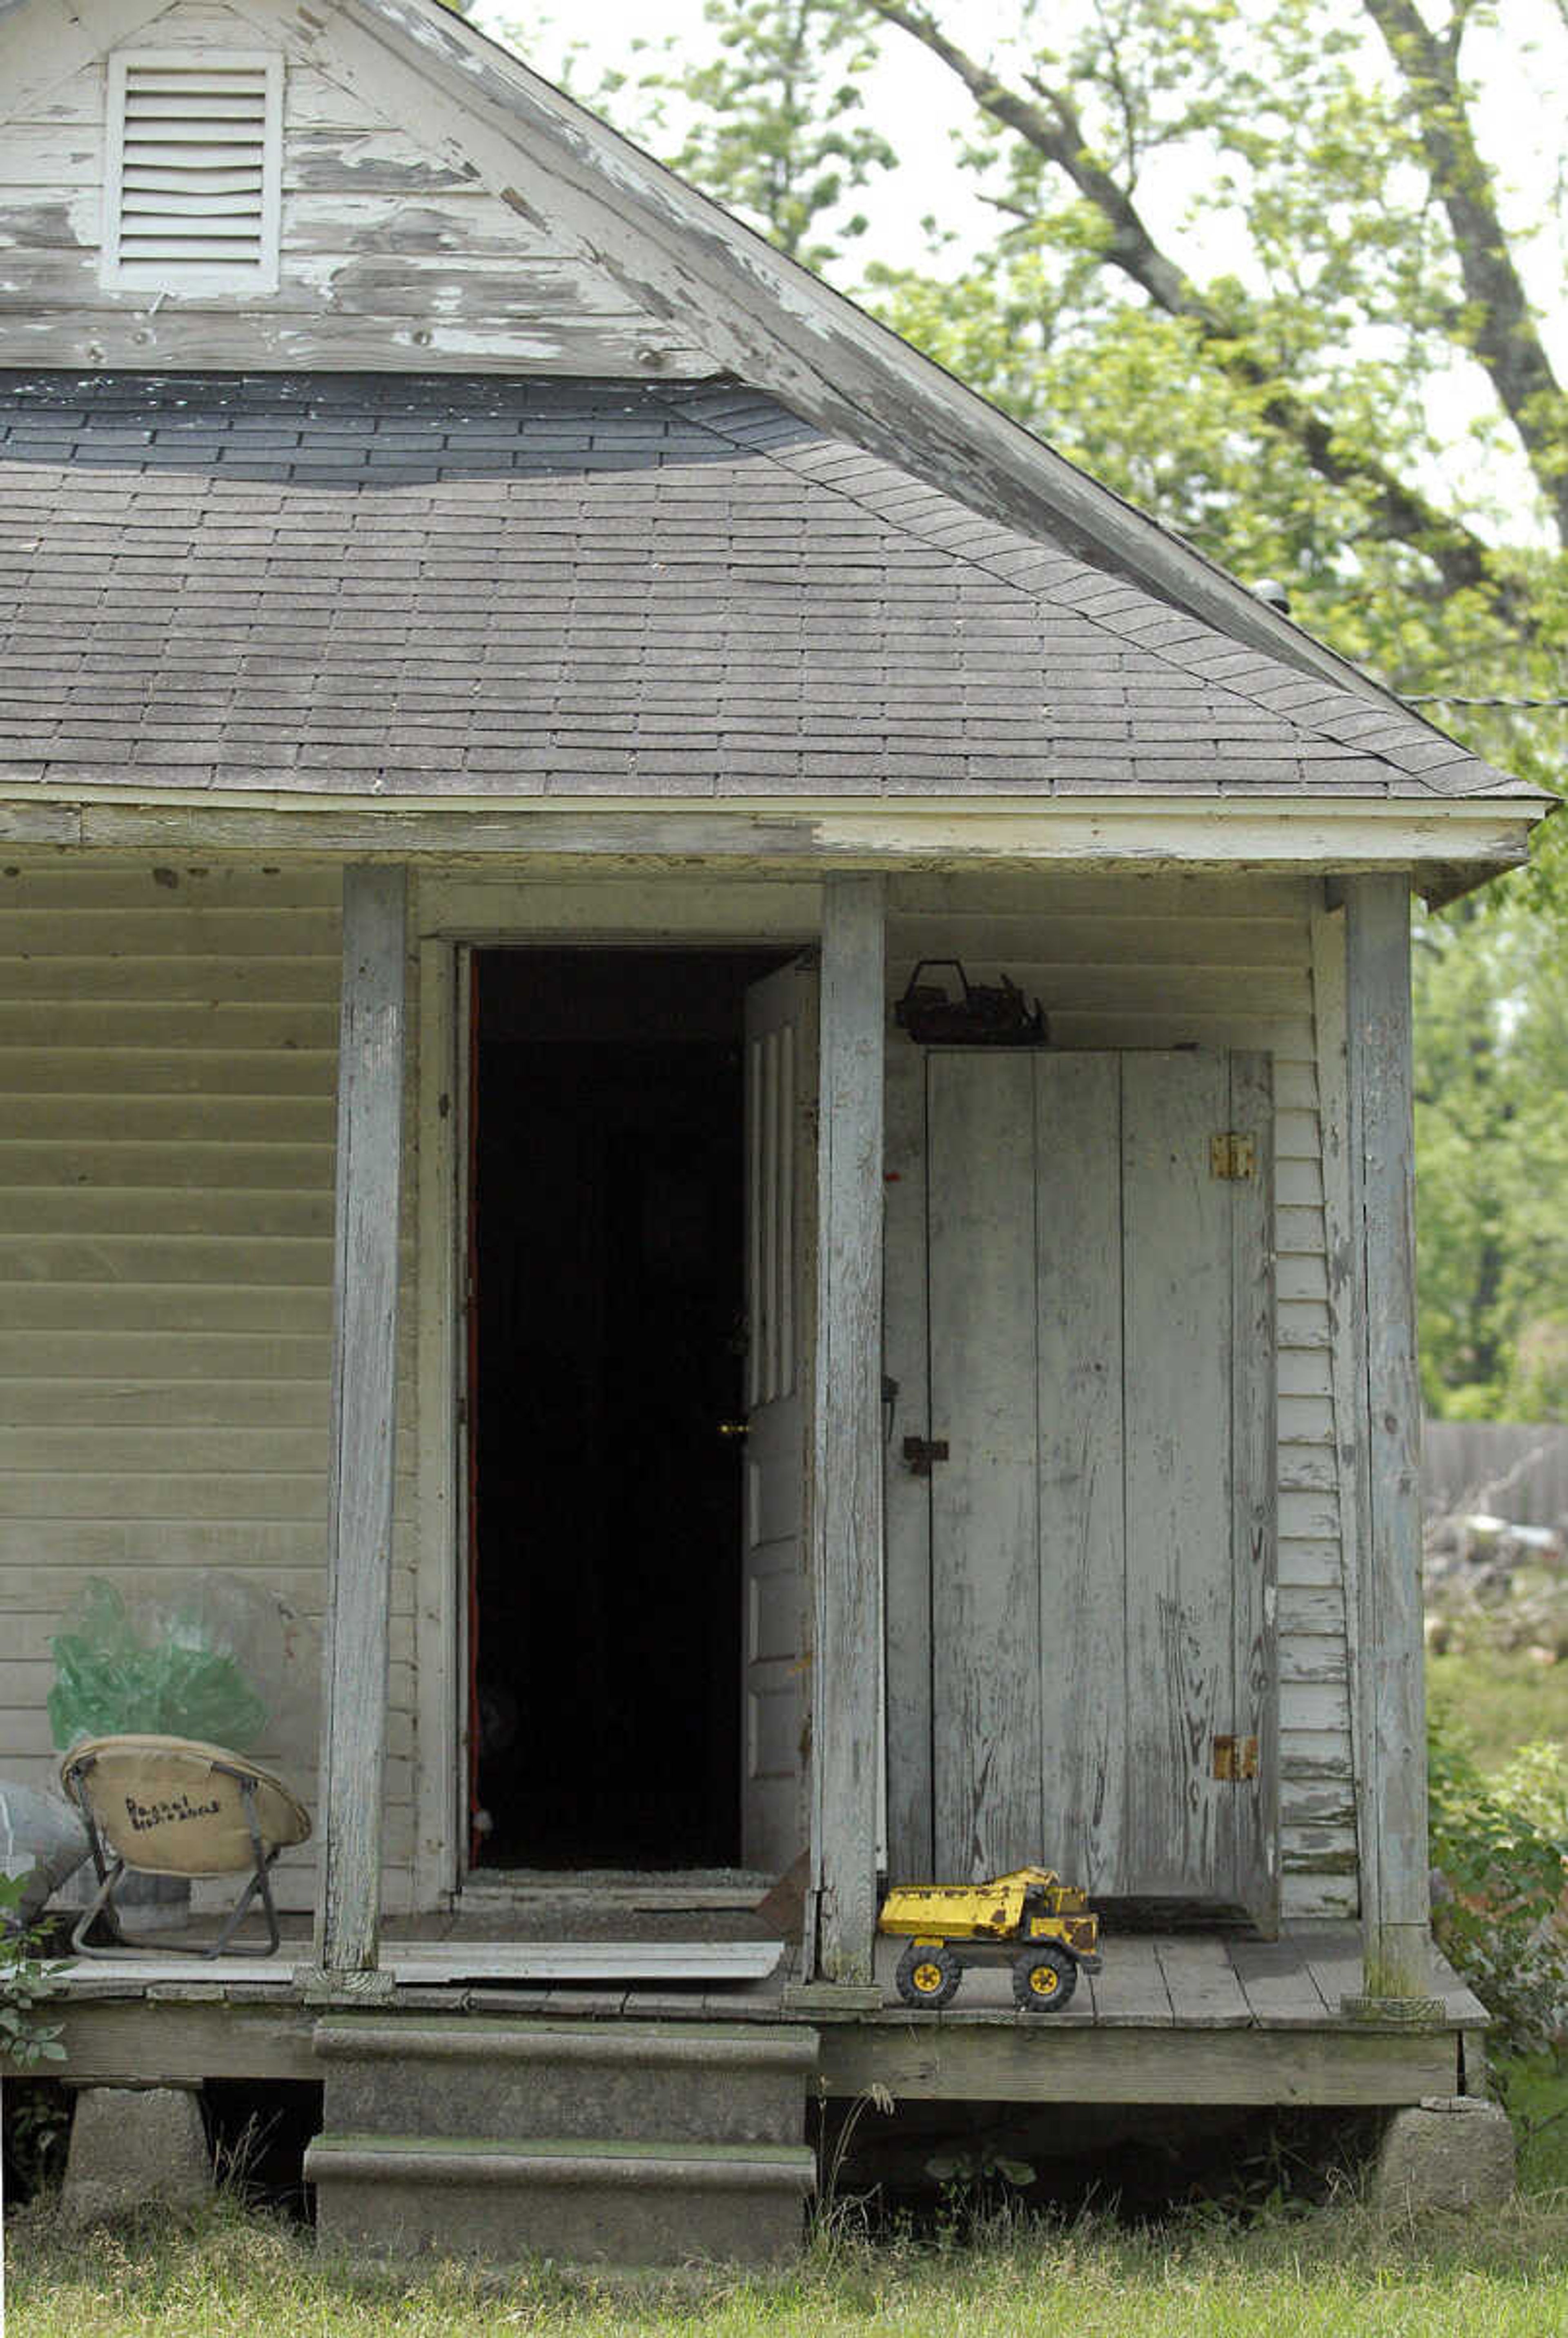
{"x":607,"y":1365}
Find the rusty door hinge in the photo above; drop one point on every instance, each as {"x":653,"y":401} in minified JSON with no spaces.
{"x":1231,"y":1154}
{"x":921,"y":1452}
{"x":1236,"y":1759}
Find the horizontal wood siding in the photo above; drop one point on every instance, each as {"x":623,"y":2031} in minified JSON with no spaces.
{"x":395,"y":251}
{"x":167,"y":1064}
{"x":167,"y":1067}
{"x":1147,"y":962}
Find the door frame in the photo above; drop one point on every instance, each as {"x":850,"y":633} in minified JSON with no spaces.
{"x":453,"y":915}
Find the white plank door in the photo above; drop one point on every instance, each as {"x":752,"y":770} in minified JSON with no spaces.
{"x":1102,"y":1522}
{"x":1176,"y":1438}
{"x":780,"y":1190}
{"x":1077,"y":1255}
{"x":985,"y":1649}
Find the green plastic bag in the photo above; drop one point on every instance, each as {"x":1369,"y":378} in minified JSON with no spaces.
{"x":166,"y":1676}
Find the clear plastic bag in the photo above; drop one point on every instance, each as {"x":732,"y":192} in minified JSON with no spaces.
{"x":212,"y":1657}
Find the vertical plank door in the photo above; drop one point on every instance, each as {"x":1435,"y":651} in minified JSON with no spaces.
{"x":1176,"y":1425}
{"x":985,"y":1496}
{"x":1082,"y":1527}
{"x":1101,"y":1525}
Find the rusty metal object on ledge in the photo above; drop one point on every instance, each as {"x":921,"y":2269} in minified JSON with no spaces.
{"x":982,"y":1014}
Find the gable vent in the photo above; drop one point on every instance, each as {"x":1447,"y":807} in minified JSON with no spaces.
{"x":194,"y":155}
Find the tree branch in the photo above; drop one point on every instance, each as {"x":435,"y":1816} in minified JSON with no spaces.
{"x":1050,"y":125}
{"x":1504,"y":334}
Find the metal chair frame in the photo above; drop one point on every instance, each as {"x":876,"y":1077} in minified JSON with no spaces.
{"x":112,"y":1866}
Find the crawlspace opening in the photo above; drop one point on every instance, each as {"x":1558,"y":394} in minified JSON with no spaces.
{"x":608,"y":1329}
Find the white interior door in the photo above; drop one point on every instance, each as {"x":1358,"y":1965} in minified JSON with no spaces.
{"x":780,"y":1197}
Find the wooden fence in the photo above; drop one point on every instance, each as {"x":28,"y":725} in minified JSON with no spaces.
{"x":1516,"y":1470}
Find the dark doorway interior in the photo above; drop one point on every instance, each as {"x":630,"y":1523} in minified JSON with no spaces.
{"x":607,"y":1254}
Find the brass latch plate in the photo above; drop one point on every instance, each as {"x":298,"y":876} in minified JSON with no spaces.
{"x":1231,"y":1154}
{"x":1235,"y":1759}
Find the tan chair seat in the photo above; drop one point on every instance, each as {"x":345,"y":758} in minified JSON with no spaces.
{"x":173,"y":1806}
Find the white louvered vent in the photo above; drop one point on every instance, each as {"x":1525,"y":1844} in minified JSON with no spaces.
{"x":194,"y":197}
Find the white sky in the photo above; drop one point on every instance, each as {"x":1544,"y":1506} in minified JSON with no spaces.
{"x":1521,"y":64}
{"x":910,"y":95}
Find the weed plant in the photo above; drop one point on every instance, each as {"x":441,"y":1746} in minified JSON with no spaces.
{"x":1499,"y":1850}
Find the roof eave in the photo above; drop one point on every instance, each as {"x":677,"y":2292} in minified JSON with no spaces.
{"x":1447,"y":846}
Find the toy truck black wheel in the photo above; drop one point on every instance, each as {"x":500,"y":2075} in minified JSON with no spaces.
{"x":928,"y":1974}
{"x":1043,"y":1978}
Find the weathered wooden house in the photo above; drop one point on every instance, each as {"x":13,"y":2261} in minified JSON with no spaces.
{"x":483,"y":637}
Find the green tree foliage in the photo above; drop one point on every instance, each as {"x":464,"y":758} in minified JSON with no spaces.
{"x":777,"y":129}
{"x":1492,"y":1144}
{"x":1280,"y":413}
{"x":772,"y":122}
{"x":1334,"y":405}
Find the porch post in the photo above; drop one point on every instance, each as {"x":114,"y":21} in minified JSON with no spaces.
{"x":1395,"y":1910}
{"x":371,"y":1029}
{"x":847,"y":1506}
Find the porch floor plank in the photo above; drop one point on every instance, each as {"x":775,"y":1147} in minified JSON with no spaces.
{"x":1131,"y":1991}
{"x":1462,"y":2005}
{"x":659,"y":2004}
{"x":567,"y":2003}
{"x":509,"y":2001}
{"x":1205,"y":1993}
{"x":1334,"y":1965}
{"x":1278,"y":1983}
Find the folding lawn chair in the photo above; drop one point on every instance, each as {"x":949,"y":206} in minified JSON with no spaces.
{"x":173,"y":1806}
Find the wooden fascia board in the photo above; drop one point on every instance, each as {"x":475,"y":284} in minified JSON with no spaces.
{"x":780,"y":328}
{"x":1002,"y":2062}
{"x":1449,"y":844}
{"x":141,"y":2041}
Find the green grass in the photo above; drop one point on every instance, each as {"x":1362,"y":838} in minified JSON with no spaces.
{"x":1504,"y":1698}
{"x":1335,"y":2272}
{"x":1537,"y":2097}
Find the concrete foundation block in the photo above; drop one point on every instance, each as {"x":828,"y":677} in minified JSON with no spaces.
{"x":135,"y":2147}
{"x":1451,"y":2151}
{"x":576,"y":2202}
{"x":606,"y":2080}
{"x":618,"y":2143}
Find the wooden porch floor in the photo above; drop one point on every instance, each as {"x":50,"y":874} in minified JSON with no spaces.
{"x":629,"y":1964}
{"x":1172,"y":2018}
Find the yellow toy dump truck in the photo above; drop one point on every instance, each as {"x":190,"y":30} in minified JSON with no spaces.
{"x":1043,"y":1927}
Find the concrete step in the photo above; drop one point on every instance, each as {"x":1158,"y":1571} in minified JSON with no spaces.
{"x":668,"y":2082}
{"x":578,"y":2201}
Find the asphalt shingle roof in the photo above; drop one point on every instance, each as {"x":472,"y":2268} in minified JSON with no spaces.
{"x":490,"y":587}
